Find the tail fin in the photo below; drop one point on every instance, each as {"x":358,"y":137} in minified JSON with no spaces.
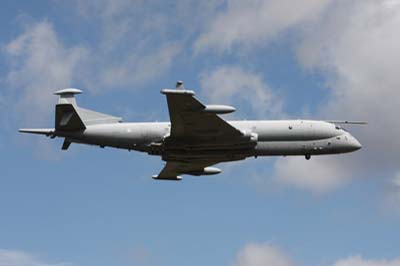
{"x":70,"y":117}
{"x":67,"y":117}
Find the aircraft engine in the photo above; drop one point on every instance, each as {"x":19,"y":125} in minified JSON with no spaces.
{"x":247,"y":134}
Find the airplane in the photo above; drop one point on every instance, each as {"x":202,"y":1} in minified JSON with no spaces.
{"x":196,"y":138}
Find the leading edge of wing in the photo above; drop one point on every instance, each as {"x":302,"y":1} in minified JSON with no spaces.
{"x":169,"y":172}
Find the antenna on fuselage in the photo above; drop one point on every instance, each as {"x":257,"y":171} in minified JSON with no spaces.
{"x":179,"y":85}
{"x":342,"y":122}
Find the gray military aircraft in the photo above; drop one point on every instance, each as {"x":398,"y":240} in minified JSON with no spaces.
{"x":197,"y":137}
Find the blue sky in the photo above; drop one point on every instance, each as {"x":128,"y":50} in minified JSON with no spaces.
{"x":330,"y":59}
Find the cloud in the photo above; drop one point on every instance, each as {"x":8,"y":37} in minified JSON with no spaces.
{"x":261,"y":255}
{"x":234,"y":85}
{"x":392,"y":193}
{"x":135,"y":45}
{"x":256,"y":254}
{"x":20,"y":258}
{"x":320,"y":174}
{"x":40,"y":62}
{"x":359,"y":261}
{"x":39,"y":65}
{"x":139,"y":41}
{"x":138,"y":69}
{"x":354,"y":47}
{"x":250,"y":23}
{"x":360,"y":57}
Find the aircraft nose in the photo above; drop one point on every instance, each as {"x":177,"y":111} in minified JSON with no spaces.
{"x":355,"y":144}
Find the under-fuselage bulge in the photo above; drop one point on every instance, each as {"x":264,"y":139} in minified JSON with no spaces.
{"x":197,"y":137}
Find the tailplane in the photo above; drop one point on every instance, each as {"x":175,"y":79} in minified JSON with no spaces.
{"x":70,"y":117}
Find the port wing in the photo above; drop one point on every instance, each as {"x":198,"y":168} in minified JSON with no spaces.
{"x":173,"y":169}
{"x":190,"y":119}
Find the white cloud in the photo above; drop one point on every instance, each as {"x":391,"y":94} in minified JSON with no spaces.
{"x":320,"y":174}
{"x":257,"y":21}
{"x":137,"y":69}
{"x":20,"y":258}
{"x":261,"y":255}
{"x":39,"y":65}
{"x":256,"y":254}
{"x":355,"y":47}
{"x":360,"y":57}
{"x":135,"y":45}
{"x":234,"y":85}
{"x":359,"y":261}
{"x":392,"y":195}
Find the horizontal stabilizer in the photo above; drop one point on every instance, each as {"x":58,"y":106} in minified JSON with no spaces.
{"x":90,"y":117}
{"x":41,"y":131}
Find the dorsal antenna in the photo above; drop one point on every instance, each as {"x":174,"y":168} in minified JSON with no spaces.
{"x":179,"y":85}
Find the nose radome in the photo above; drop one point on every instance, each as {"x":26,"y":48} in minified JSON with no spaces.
{"x":355,"y":144}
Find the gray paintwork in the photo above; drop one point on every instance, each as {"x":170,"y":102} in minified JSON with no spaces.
{"x":196,"y":137}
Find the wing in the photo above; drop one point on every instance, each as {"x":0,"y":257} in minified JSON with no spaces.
{"x":172,"y":170}
{"x":190,"y":119}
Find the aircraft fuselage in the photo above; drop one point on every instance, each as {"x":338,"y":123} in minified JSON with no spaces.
{"x":283,"y":137}
{"x":197,"y":136}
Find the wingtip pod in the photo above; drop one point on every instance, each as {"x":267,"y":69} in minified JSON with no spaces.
{"x":206,"y":171}
{"x":172,"y":178}
{"x":219,"y":109}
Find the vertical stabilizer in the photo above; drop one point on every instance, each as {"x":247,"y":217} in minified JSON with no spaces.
{"x":67,"y":117}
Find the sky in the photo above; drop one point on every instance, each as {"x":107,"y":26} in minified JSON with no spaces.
{"x":314,"y":59}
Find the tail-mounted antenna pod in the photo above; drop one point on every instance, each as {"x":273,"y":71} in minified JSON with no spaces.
{"x":68,"y":91}
{"x":179,"y":85}
{"x":67,"y":96}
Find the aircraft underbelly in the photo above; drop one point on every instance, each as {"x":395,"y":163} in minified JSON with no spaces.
{"x":293,"y":147}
